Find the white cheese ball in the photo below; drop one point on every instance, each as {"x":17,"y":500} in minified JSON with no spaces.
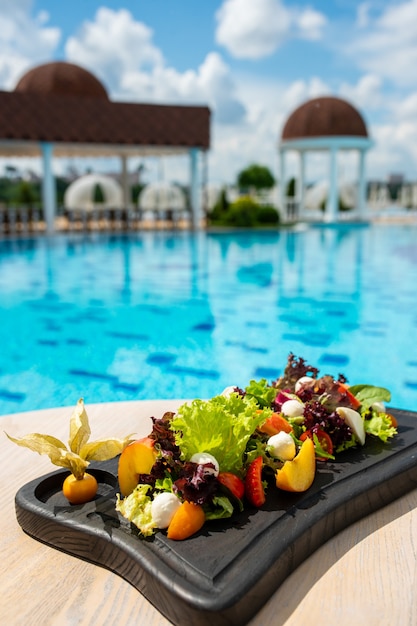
{"x":201,"y":458}
{"x":228,"y":391}
{"x":354,"y":420}
{"x":163,"y":508}
{"x":379,"y":406}
{"x":292,"y":408}
{"x":281,"y":446}
{"x":304,"y":380}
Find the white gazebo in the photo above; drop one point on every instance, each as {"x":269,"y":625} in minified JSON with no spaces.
{"x":325,"y":124}
{"x":162,"y":196}
{"x":163,"y":199}
{"x":80,"y":194}
{"x":59,"y":109}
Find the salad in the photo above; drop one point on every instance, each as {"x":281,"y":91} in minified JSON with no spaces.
{"x":212,"y":458}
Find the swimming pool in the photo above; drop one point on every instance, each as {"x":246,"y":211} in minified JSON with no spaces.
{"x":111,"y":317}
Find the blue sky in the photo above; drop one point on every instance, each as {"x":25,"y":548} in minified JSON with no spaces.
{"x":253,"y":62}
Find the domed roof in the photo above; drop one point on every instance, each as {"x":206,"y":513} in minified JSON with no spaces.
{"x":324,"y":117}
{"x":61,"y":79}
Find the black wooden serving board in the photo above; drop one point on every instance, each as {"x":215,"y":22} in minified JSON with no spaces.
{"x":226,"y":572}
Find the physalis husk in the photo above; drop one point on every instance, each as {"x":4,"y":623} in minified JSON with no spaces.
{"x":77,"y":456}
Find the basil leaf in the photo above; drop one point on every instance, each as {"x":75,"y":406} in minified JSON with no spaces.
{"x":368,"y":394}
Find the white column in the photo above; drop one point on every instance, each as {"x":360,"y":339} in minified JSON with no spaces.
{"x":48,"y":187}
{"x":282,"y":193}
{"x":194,"y":190}
{"x":302,"y":191}
{"x":361,"y":200}
{"x":331,"y":214}
{"x":125,"y":182}
{"x":204,"y":184}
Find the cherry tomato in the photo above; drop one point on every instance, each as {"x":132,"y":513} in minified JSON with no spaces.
{"x":324,"y":440}
{"x":393,"y":420}
{"x":232,"y":482}
{"x":254,"y":488}
{"x":79,"y":491}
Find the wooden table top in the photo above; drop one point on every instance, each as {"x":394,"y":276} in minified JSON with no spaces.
{"x":365,"y":575}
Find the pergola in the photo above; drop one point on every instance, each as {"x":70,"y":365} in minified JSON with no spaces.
{"x":325,"y":124}
{"x":61,"y":110}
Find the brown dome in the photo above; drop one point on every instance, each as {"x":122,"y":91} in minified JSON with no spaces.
{"x":61,"y":79}
{"x":324,"y":117}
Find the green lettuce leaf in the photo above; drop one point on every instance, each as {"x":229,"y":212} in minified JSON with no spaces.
{"x":221,"y":426}
{"x":220,"y":508}
{"x":380,"y":426}
{"x":263,"y":393}
{"x":368,"y":394}
{"x":137,"y":508}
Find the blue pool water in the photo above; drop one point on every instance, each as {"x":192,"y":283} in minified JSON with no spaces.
{"x":174,"y":315}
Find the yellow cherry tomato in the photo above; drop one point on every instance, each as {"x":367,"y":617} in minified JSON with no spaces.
{"x":79,"y":491}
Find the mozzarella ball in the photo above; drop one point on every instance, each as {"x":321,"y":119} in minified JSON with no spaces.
{"x":281,"y":446}
{"x":201,"y":458}
{"x":292,"y":408}
{"x":379,"y":406}
{"x":163,"y":508}
{"x":228,"y":391}
{"x":304,"y":380}
{"x":354,"y":420}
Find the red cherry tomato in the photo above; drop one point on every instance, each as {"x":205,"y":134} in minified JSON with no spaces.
{"x":254,"y":488}
{"x":393,"y":420}
{"x":232,"y":482}
{"x":324,"y":440}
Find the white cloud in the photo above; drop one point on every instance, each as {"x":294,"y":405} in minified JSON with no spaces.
{"x":134,"y":68}
{"x":396,"y":150}
{"x":300,"y":91}
{"x":388,"y":47}
{"x":211,"y":84}
{"x":252,"y":30}
{"x":131,"y":48}
{"x":256,"y":140}
{"x":310,"y":24}
{"x":219,"y":86}
{"x":24,"y":40}
{"x":407,"y":108}
{"x":362,"y":14}
{"x":366,"y":94}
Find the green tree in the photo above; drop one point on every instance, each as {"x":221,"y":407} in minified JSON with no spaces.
{"x":255,"y":176}
{"x":291,"y":188}
{"x":7,"y":190}
{"x":220,"y":209}
{"x":136,"y":190}
{"x":25,"y":193}
{"x":61,"y":186}
{"x":98,"y":196}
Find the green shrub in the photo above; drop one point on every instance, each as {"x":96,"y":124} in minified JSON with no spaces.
{"x":220,"y":208}
{"x":244,"y":213}
{"x":267,"y":214}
